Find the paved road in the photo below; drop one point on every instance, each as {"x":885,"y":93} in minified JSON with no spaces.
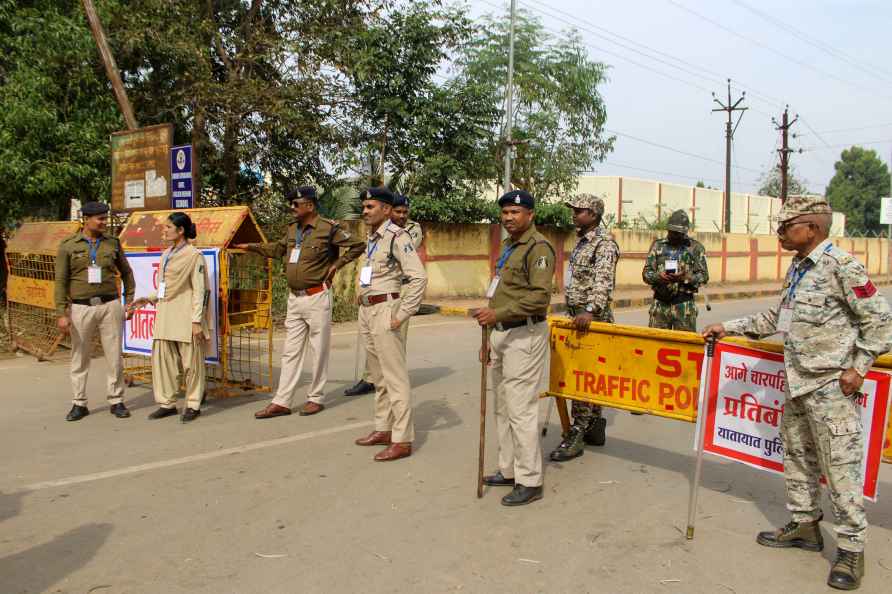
{"x":233,"y":505}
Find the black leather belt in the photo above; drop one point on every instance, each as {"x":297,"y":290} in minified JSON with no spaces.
{"x":676,"y":300}
{"x":502,"y":326}
{"x":95,"y":300}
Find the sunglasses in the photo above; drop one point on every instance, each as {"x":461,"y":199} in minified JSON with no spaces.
{"x":782,"y":227}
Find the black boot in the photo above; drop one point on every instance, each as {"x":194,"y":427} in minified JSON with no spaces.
{"x":77,"y":413}
{"x":119,"y":410}
{"x":361,"y":387}
{"x":522,"y":495}
{"x":189,"y":415}
{"x":162,"y":412}
{"x":596,"y":434}
{"x":847,"y":570}
{"x":497,"y":480}
{"x":571,"y":446}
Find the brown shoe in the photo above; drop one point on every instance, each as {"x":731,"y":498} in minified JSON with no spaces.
{"x":271,"y":411}
{"x":310,"y":408}
{"x":394,"y":451}
{"x":374,"y":438}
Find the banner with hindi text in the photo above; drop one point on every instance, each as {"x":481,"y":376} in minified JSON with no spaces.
{"x":745,"y":403}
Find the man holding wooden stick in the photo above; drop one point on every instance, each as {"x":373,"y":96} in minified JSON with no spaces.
{"x":519,"y":297}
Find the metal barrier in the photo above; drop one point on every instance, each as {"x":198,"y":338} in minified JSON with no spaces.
{"x":31,"y":261}
{"x":243,"y":326}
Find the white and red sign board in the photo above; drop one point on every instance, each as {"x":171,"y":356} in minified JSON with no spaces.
{"x":745,"y":404}
{"x":139,"y":330}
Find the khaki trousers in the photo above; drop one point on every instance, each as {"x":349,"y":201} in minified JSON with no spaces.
{"x":386,"y":362}
{"x":168,"y":358}
{"x":404,"y":337}
{"x":519,"y":358}
{"x":108,"y":319}
{"x":308,"y":322}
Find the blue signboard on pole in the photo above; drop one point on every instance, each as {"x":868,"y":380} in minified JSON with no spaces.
{"x":181,"y":195}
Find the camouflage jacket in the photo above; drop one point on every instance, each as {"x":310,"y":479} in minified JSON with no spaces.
{"x":591,"y":275}
{"x":691,"y":258}
{"x":839,"y":319}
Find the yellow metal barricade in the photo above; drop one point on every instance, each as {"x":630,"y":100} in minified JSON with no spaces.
{"x":244,"y":322}
{"x":639,"y":369}
{"x":31,"y":261}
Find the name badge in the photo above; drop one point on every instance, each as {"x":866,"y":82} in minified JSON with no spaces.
{"x":785,"y":319}
{"x":161,"y":289}
{"x":493,"y":285}
{"x":94,"y":275}
{"x":295,"y":255}
{"x":672,"y":266}
{"x":365,"y":276}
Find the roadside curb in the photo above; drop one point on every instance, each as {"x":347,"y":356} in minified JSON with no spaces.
{"x":630,"y":302}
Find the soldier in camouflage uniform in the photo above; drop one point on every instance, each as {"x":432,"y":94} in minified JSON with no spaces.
{"x":675,"y":269}
{"x":835,"y":324}
{"x":588,"y":292}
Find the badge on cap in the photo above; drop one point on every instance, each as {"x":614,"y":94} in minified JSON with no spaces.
{"x":517,"y":200}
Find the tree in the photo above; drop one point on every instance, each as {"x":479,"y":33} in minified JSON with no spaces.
{"x":56,"y":110}
{"x":860,"y":181}
{"x":770,"y":183}
{"x":559,"y":114}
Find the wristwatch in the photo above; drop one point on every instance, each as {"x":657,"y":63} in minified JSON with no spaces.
{"x":589,"y":308}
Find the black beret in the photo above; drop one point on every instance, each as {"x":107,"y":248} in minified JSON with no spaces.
{"x":301,"y":192}
{"x":380,"y":194}
{"x":91,"y":209}
{"x":401,"y":200}
{"x":518,"y":197}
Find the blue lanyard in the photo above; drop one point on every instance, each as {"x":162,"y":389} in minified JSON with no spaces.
{"x":94,"y":250}
{"x":167,"y":260}
{"x":371,"y":247}
{"x":791,"y":290}
{"x":299,"y":235}
{"x":506,"y":253}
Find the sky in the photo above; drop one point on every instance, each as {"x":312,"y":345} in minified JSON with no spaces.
{"x":826,"y":59}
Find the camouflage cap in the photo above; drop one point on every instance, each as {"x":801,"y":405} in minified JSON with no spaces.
{"x":678,"y":222}
{"x":590,"y":201}
{"x":796,"y":206}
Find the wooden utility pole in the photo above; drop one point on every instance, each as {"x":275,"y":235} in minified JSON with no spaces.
{"x":730,"y":108}
{"x":785,"y":151}
{"x":111,"y":69}
{"x":509,"y":101}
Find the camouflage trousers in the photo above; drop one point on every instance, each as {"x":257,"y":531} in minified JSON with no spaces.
{"x":822,"y":434}
{"x":584,"y":413}
{"x":682,"y":316}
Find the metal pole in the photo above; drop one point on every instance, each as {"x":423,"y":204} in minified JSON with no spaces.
{"x":509,"y":101}
{"x":727,"y":221}
{"x":698,"y":469}
{"x":111,"y":69}
{"x":784,"y":163}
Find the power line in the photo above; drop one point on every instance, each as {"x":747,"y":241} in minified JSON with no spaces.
{"x":848,"y":144}
{"x":773,"y":50}
{"x":870,"y":69}
{"x":857,"y":128}
{"x":676,"y":150}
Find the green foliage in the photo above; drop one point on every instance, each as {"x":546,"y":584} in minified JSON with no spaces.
{"x":550,"y":214}
{"x":56,"y":110}
{"x":770,"y":183}
{"x":559,"y":114}
{"x":454,"y":209}
{"x":860,"y":181}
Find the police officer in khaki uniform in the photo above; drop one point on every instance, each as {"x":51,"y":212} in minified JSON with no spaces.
{"x":87,"y":301}
{"x":181,"y":326}
{"x":313,"y":249}
{"x":400,"y":217}
{"x":835,"y":323}
{"x":385,"y":305}
{"x":519,"y":298}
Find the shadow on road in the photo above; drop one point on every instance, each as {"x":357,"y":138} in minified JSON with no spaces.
{"x":433,"y":415}
{"x":10,"y":505}
{"x":38,"y":568}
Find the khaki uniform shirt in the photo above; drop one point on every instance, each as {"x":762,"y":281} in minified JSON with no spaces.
{"x":839,"y":319}
{"x":321,"y":243}
{"x":525,"y":279}
{"x":186,"y":295}
{"x":392,"y":257}
{"x":415,"y":232}
{"x":73,"y":260}
{"x":592,"y":272}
